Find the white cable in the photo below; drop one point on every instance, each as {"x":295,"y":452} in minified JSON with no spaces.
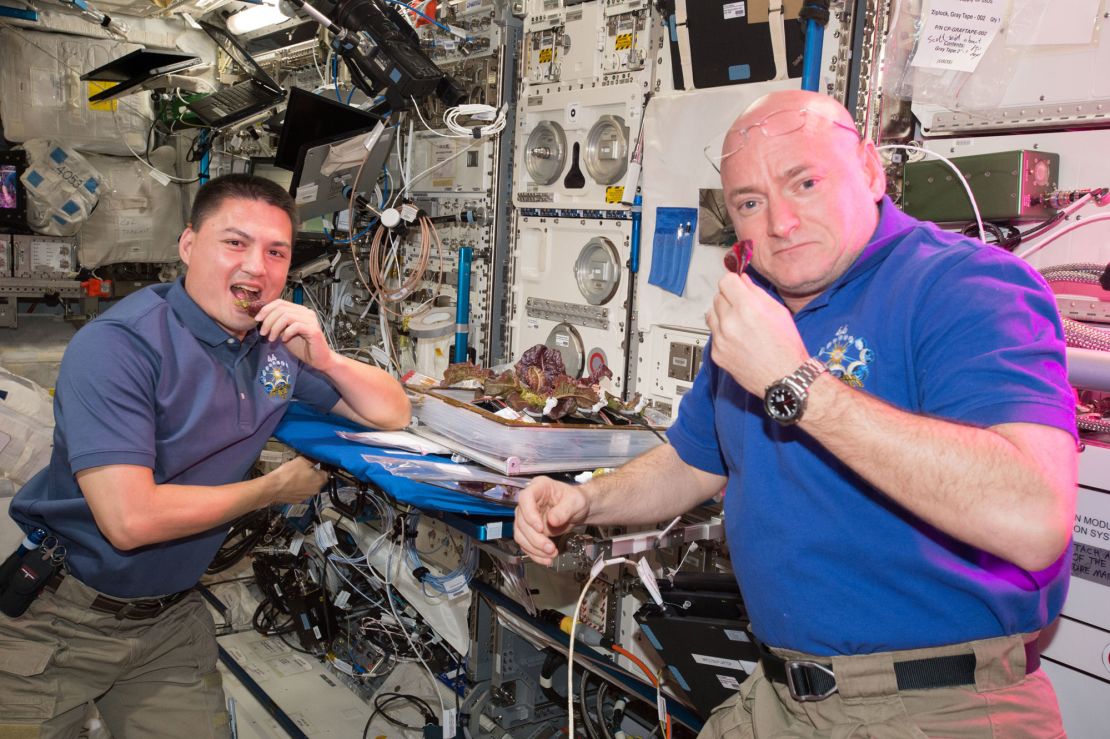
{"x":479,"y":111}
{"x":316,"y":63}
{"x":452,"y":583}
{"x":369,"y":600}
{"x":410,"y":141}
{"x":1057,"y":234}
{"x":320,"y":317}
{"x":416,"y":107}
{"x":959,"y":176}
{"x":401,"y":168}
{"x":137,"y":155}
{"x":387,"y":342}
{"x":412,"y":645}
{"x":470,"y":110}
{"x":598,"y":566}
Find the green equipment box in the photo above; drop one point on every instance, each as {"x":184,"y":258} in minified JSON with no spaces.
{"x":1007,"y":187}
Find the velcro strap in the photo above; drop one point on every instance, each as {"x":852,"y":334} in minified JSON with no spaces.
{"x":814,"y":680}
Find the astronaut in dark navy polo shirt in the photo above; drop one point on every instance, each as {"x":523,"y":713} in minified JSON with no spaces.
{"x":162,"y":406}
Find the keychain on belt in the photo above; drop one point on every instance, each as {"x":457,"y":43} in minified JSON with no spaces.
{"x":27,"y":580}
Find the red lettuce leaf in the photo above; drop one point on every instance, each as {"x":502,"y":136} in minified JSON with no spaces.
{"x":539,"y":366}
{"x":460,"y":371}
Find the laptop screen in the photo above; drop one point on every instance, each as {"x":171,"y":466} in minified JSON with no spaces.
{"x":233,"y":49}
{"x":140,"y":63}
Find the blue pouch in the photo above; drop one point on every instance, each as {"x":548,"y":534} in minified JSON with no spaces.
{"x":671,"y":247}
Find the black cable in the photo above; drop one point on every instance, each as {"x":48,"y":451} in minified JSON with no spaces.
{"x":1005,"y":236}
{"x":583,"y":705}
{"x":149,"y":132}
{"x":380,"y":707}
{"x":251,"y":527}
{"x":265,"y":622}
{"x":294,"y":647}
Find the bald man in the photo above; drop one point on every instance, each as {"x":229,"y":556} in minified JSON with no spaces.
{"x":887,"y":408}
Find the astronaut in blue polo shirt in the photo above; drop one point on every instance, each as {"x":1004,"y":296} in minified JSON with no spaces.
{"x":887,"y":409}
{"x":163,"y":404}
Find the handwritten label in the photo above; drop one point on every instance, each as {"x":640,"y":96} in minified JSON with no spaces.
{"x":956,"y":33}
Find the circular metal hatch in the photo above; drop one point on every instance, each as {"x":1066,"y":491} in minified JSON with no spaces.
{"x":607,"y":150}
{"x":566,"y":340}
{"x":598,"y":271}
{"x":545,"y":153}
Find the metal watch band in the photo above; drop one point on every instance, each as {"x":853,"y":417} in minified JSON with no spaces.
{"x":810,"y":370}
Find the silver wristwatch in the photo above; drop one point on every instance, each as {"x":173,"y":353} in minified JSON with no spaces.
{"x":785,"y":400}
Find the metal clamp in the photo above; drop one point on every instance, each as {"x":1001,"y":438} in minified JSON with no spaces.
{"x":797,"y":681}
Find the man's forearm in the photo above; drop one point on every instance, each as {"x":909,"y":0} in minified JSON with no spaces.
{"x":654,"y":487}
{"x":178,"y":511}
{"x":132,"y":511}
{"x":974,"y":484}
{"x":370,"y":393}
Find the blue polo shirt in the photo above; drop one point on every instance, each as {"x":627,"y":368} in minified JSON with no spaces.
{"x":155,"y":382}
{"x":931,"y":323}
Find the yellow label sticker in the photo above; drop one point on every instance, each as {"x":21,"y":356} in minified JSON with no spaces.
{"x":614,"y":194}
{"x":97,"y":86}
{"x":546,"y":55}
{"x":624,"y":42}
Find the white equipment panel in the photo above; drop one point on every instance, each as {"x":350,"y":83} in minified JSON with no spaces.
{"x":1077,"y":647}
{"x":573,"y":148}
{"x":668,"y":361}
{"x":587,"y":44}
{"x":571,"y":291}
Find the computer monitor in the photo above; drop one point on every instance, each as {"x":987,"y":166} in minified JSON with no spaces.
{"x":13,"y":196}
{"x":310,"y":117}
{"x":311,"y":229}
{"x":321,"y":187}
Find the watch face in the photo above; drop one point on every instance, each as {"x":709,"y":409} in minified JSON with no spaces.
{"x":782,"y":403}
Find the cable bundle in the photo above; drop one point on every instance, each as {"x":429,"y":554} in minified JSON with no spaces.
{"x":477,"y":111}
{"x":453,"y":583}
{"x":380,"y":264}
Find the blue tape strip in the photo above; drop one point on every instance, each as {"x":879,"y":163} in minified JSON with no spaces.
{"x":90,"y":185}
{"x":70,"y":208}
{"x":651,"y":637}
{"x":679,"y":678}
{"x":58,"y":155}
{"x":739,"y":72}
{"x":34,"y":178}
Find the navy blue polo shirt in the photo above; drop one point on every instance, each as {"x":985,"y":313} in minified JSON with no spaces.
{"x":155,"y":382}
{"x":934,"y":324}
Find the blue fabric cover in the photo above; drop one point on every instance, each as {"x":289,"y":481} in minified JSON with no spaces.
{"x":313,"y":435}
{"x":934,"y":324}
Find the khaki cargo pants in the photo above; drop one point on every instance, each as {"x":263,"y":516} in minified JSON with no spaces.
{"x":149,"y":678}
{"x":1004,"y":703}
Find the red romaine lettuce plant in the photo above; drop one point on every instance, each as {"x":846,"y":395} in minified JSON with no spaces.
{"x":538,"y":384}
